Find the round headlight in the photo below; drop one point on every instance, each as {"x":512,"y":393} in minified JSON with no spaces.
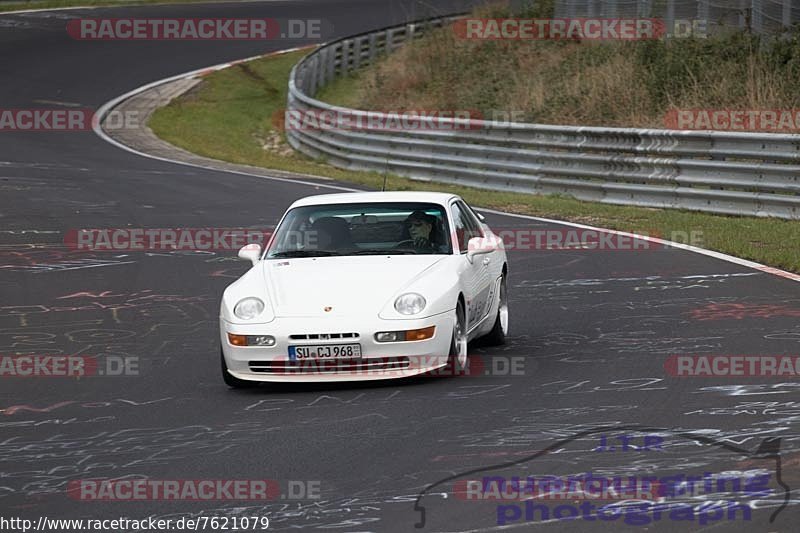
{"x":409,"y":304}
{"x":248,"y":308}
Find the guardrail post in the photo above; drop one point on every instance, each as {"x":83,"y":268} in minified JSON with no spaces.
{"x":388,"y":46}
{"x":322,"y":69}
{"x":571,"y":9}
{"x":702,"y":10}
{"x":757,"y":16}
{"x":313,"y":75}
{"x":345,"y":55}
{"x":357,"y":57}
{"x":669,"y":17}
{"x":744,"y":19}
{"x":307,"y":79}
{"x":331,"y":62}
{"x":787,"y":13}
{"x":373,"y":46}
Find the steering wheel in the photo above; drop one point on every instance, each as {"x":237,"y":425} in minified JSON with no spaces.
{"x":407,"y":244}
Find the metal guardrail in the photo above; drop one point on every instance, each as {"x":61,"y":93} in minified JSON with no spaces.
{"x":720,"y":172}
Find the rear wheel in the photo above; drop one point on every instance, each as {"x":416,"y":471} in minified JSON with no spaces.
{"x":232,"y":381}
{"x":497,"y":336}
{"x":458,"y":345}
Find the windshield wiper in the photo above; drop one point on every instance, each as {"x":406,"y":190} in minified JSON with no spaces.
{"x":303,"y":253}
{"x":396,"y":251}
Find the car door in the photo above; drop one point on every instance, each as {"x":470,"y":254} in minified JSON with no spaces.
{"x":497,"y":255}
{"x":477,"y":279}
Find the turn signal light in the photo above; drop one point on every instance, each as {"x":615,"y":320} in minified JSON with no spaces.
{"x":237,"y":340}
{"x":420,"y":334}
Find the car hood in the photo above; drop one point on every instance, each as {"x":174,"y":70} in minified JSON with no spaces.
{"x":347,"y":285}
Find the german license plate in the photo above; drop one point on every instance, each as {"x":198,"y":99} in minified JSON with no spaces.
{"x":325,"y":352}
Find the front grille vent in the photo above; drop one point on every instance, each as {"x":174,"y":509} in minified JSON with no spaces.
{"x":322,"y":336}
{"x":330,"y":367}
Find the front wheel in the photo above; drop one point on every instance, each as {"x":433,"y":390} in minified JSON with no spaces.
{"x":497,"y":337}
{"x":232,"y":381}
{"x":458,"y":345}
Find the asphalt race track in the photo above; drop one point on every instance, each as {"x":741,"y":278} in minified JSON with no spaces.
{"x":590,"y":333}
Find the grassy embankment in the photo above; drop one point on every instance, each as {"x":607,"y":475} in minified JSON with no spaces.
{"x":231,"y":115}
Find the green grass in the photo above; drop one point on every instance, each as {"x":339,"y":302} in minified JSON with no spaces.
{"x":51,"y":4}
{"x":229,"y":116}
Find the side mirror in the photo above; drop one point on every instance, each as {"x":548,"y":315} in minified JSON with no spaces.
{"x":479,"y":246}
{"x":480,"y":216}
{"x":251,"y":252}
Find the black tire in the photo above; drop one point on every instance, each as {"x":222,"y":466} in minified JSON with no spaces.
{"x":497,"y":336}
{"x":232,"y":381}
{"x":454,"y":366}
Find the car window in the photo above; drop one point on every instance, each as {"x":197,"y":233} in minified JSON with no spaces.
{"x":362,"y":229}
{"x":472,"y":218}
{"x":466,"y":227}
{"x":475,"y":215}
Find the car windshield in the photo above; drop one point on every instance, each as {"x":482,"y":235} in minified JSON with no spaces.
{"x":379,"y":228}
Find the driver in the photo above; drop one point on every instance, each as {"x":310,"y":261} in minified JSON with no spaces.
{"x":420,"y":230}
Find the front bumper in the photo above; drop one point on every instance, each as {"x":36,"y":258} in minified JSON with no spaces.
{"x":379,"y":360}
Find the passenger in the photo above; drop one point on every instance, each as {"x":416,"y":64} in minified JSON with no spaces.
{"x":332,"y":234}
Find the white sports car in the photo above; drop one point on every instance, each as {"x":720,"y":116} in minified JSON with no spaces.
{"x":365,"y":286}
